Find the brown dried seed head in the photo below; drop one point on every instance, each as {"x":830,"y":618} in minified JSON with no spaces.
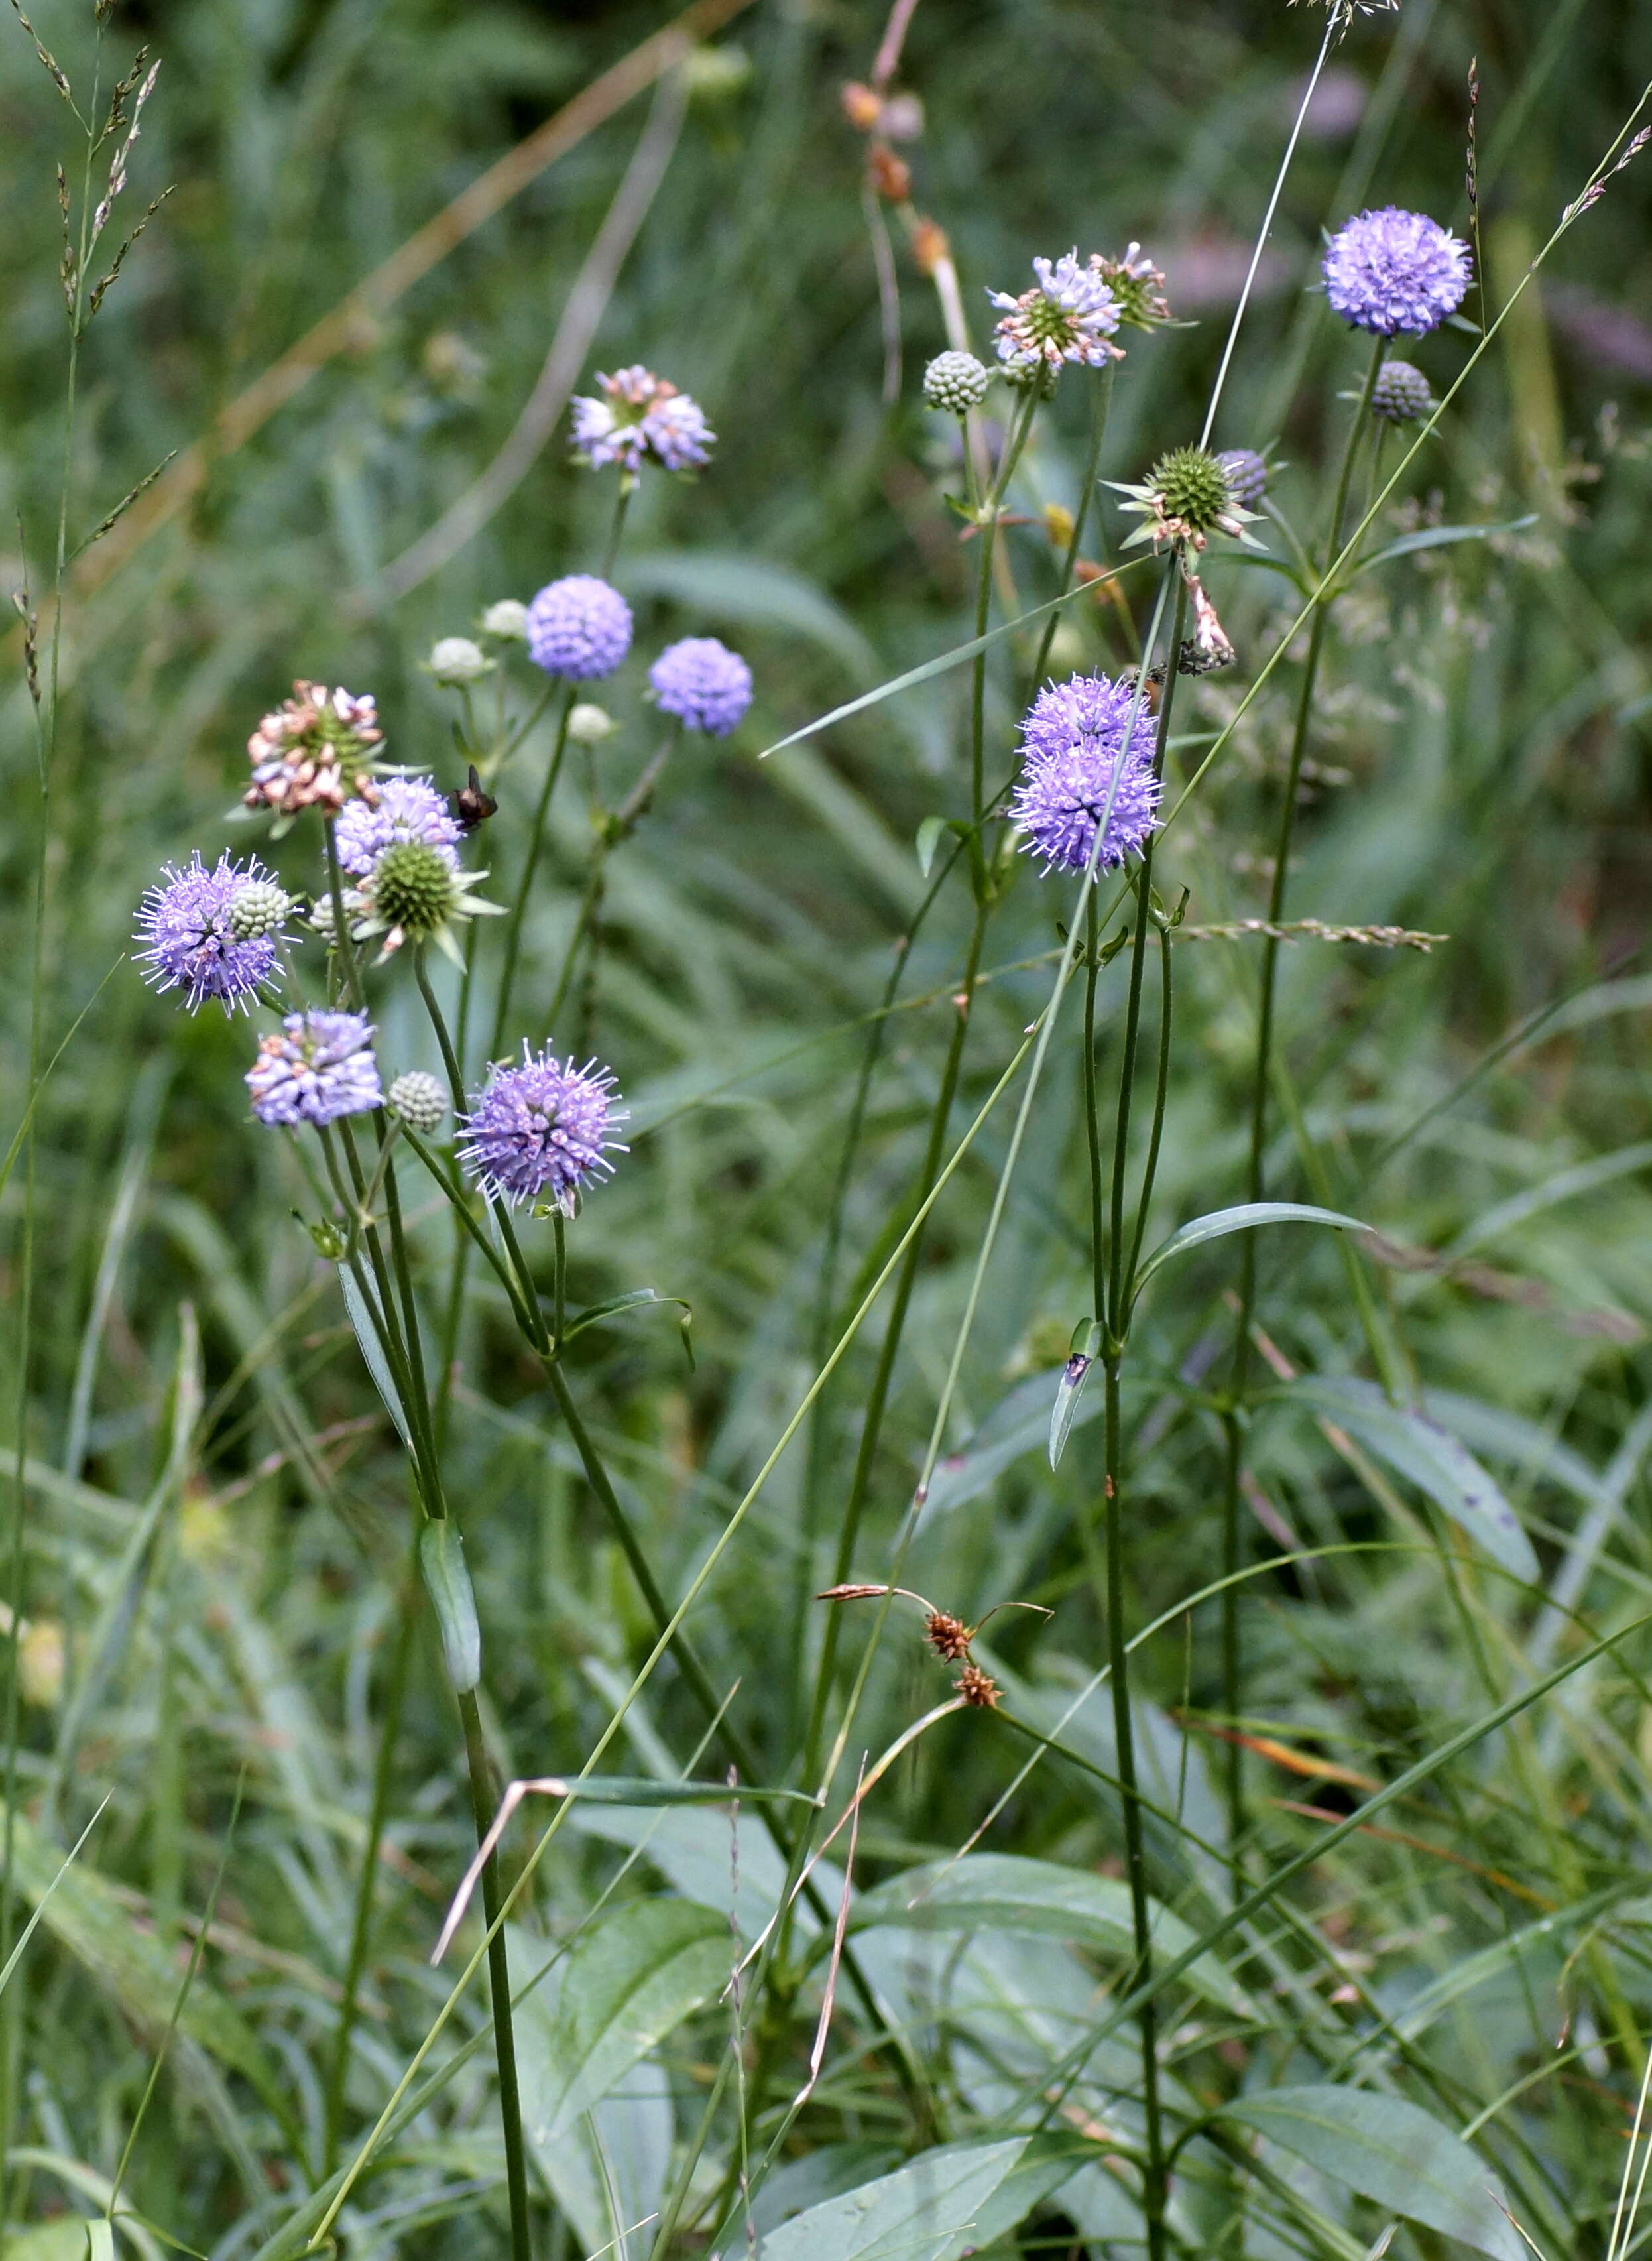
{"x":930,"y":246}
{"x":861,"y":106}
{"x":850,"y":1593}
{"x":891,"y":175}
{"x":946,"y":1635}
{"x":977,"y":1687}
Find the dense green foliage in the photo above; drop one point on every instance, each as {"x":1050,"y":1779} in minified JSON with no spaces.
{"x":1444,"y":1429}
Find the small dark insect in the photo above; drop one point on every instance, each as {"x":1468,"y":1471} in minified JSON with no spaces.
{"x":472,"y":806}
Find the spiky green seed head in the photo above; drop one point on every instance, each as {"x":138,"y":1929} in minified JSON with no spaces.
{"x":413,"y":886}
{"x":1401,"y":394}
{"x":420,"y":1101}
{"x":258,"y":908}
{"x":1191,"y":486}
{"x":956,"y":382}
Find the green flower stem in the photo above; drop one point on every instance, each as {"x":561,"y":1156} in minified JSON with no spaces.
{"x":1100,"y":403}
{"x":484,"y":1800}
{"x":1019,"y":432}
{"x":530,"y":869}
{"x":361,"y":1922}
{"x":1116,"y":1311}
{"x":342,"y":965}
{"x":1232,"y":1682}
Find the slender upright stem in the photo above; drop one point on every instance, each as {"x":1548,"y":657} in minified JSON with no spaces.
{"x":1100,"y":402}
{"x":484,"y":1797}
{"x":1234,"y":1770}
{"x":1154,"y":2183}
{"x":361,"y":1920}
{"x":530,"y":869}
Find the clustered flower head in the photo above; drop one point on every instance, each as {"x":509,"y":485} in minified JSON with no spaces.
{"x":543,"y":1130}
{"x":457,"y":662}
{"x":1069,"y":317}
{"x":956,"y":382}
{"x":641,"y":419}
{"x":316,"y":751}
{"x":419,"y":1100}
{"x":1247,"y":475}
{"x":1185,"y":498}
{"x":197,"y":942}
{"x":1137,"y":286}
{"x":317,"y":1067}
{"x":406,"y":808}
{"x":1086,"y":767}
{"x":579,"y":629}
{"x":1394,"y":272}
{"x":703,"y":684}
{"x":1401,"y":394}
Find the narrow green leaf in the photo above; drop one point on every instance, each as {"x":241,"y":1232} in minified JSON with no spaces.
{"x":1244,"y":1218}
{"x":634,"y":1299}
{"x":1419,"y":1447}
{"x":939,"y":665}
{"x":929,"y":834}
{"x":1080,"y":1357}
{"x":1004,"y":1891}
{"x":361,"y":1316}
{"x":1438,"y":537}
{"x":441,"y":1557}
{"x":643,"y":1790}
{"x":1391,"y":2152}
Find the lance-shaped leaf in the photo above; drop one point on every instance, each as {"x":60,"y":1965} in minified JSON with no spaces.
{"x":1420,"y":1448}
{"x":1244,"y":1218}
{"x":441,"y":1557}
{"x":954,"y":2199}
{"x":1392,"y":2152}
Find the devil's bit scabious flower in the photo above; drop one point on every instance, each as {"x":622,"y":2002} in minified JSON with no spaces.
{"x":406,"y":808}
{"x":418,"y":1100}
{"x":704,"y":685}
{"x":414,"y":893}
{"x":508,"y":621}
{"x":318,"y":1067}
{"x":1137,"y":286}
{"x":641,"y":419}
{"x":1075,"y":760}
{"x":1069,"y":317}
{"x":956,"y":382}
{"x":457,"y":662}
{"x":579,"y":629}
{"x":544,"y":1129}
{"x":1247,"y":475}
{"x":1185,"y":498}
{"x":187,"y":923}
{"x":316,"y":751}
{"x":1394,"y":272}
{"x":1401,"y":394}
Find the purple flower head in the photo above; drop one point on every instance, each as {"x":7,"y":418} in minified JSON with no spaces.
{"x":542,"y":1129}
{"x":704,"y":684}
{"x":406,"y":808}
{"x":192,"y":945}
{"x":1069,"y":317}
{"x":320,"y":1067}
{"x":1392,"y":272}
{"x":1076,"y":770}
{"x":641,"y":417}
{"x":579,"y":629}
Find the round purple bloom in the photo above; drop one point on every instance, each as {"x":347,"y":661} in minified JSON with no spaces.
{"x":1392,"y":272}
{"x":579,"y":629}
{"x":185,"y":921}
{"x":541,"y":1129}
{"x":320,"y":1066}
{"x":1077,"y":768}
{"x":406,"y":808}
{"x":704,"y":684}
